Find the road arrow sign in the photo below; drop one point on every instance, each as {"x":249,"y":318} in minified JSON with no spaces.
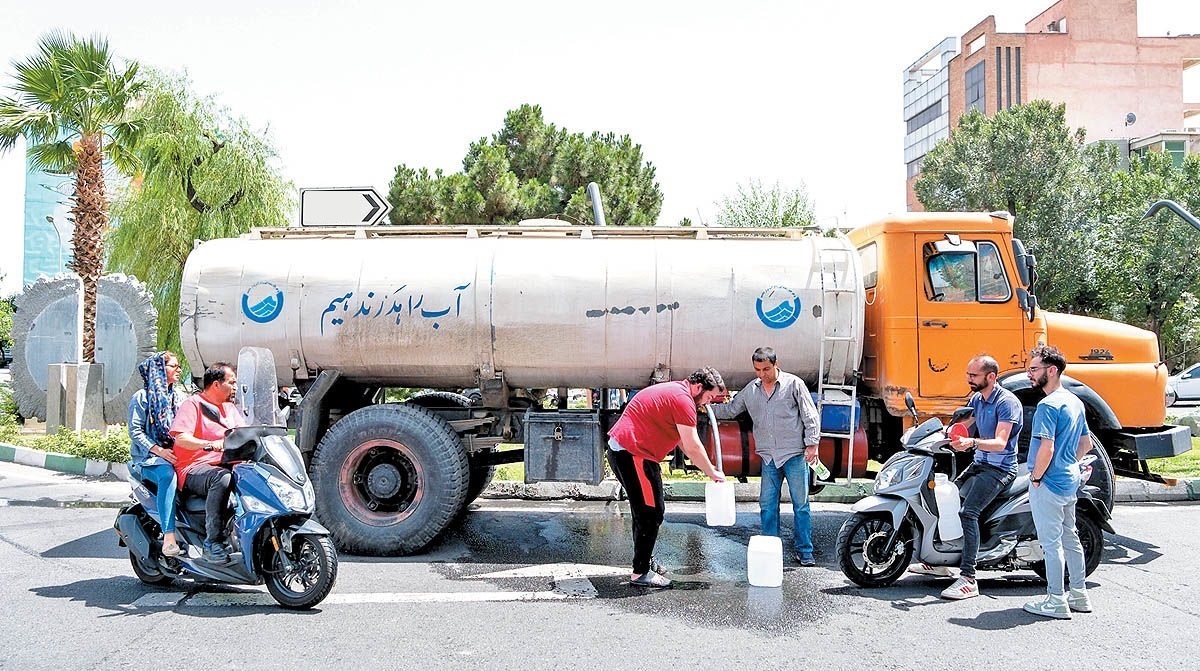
{"x":342,"y":206}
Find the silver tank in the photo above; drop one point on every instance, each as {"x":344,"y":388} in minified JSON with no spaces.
{"x":547,"y":308}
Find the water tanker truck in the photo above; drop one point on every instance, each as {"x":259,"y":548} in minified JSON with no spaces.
{"x":894,"y":307}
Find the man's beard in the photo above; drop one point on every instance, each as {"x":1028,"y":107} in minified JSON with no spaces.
{"x":1041,"y":381}
{"x":975,"y":386}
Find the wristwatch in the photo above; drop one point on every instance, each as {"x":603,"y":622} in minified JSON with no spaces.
{"x":1036,"y":481}
{"x":975,"y":445}
{"x":208,"y":447}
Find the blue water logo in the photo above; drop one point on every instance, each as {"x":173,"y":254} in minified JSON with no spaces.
{"x":778,"y":307}
{"x":262,"y":302}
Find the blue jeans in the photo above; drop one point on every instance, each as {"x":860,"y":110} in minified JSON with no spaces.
{"x":163,"y":475}
{"x":1054,"y":517}
{"x":978,"y":486}
{"x":795,"y":471}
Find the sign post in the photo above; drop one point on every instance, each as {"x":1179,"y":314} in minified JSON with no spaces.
{"x":342,"y":206}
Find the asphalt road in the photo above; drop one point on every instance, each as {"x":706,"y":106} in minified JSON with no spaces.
{"x":486,"y":597}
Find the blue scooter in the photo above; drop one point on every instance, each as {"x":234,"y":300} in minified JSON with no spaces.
{"x":270,"y":528}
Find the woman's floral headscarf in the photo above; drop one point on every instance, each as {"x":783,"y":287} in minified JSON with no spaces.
{"x":160,"y":400}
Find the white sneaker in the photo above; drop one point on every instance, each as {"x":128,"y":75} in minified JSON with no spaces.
{"x":1054,"y":606}
{"x":1079,"y":602}
{"x":961,"y":589}
{"x":936,"y":571}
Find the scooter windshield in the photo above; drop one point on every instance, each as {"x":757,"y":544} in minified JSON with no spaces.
{"x":286,"y":457}
{"x":926,"y":429}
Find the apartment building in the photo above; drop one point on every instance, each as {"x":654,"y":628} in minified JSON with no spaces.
{"x":1117,"y":84}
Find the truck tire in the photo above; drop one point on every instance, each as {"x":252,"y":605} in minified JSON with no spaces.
{"x":481,"y":475}
{"x":389,"y":479}
{"x":1103,"y":477}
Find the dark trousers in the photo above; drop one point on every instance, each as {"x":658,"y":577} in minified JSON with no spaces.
{"x":978,"y":486}
{"x":211,"y":482}
{"x":642,"y":481}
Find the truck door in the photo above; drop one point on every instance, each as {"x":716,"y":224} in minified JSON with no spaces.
{"x":966,"y":307}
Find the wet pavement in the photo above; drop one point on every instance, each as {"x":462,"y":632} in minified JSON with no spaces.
{"x":707,"y":565}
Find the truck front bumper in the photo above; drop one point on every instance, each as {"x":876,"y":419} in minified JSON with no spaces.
{"x":1156,"y":443}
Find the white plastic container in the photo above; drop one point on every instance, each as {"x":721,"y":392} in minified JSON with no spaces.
{"x":946,"y":495}
{"x":764,"y":561}
{"x":719,"y":508}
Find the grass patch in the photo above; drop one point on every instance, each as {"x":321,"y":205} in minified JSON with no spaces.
{"x":1183,"y":466}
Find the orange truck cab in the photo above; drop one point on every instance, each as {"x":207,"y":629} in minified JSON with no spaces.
{"x":943,"y":287}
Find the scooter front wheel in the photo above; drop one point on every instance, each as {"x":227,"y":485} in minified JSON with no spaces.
{"x":306,"y":579}
{"x":868,"y":551}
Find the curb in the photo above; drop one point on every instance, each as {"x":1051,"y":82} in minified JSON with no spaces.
{"x":62,"y":463}
{"x":1127,"y":490}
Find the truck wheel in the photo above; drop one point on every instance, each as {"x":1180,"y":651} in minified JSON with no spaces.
{"x":389,"y":479}
{"x":866,"y":556}
{"x":1091,"y":537}
{"x":1103,"y":477}
{"x":481,"y":476}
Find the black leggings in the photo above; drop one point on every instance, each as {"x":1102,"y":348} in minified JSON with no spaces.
{"x":211,"y":482}
{"x":642,"y":480}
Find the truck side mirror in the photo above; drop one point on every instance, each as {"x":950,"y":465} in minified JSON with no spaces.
{"x":1028,"y":303}
{"x":1025,"y":261}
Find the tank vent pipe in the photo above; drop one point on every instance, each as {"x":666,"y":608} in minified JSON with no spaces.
{"x":593,"y":191}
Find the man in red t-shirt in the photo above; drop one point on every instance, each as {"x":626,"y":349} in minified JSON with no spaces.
{"x":199,"y":431}
{"x":656,"y":420}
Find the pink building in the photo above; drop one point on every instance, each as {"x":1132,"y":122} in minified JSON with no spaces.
{"x":1085,"y":53}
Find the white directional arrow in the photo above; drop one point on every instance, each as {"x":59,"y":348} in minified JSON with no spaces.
{"x":342,"y":206}
{"x":569,"y":579}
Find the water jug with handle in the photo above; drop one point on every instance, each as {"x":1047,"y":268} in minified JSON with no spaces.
{"x":719,"y":507}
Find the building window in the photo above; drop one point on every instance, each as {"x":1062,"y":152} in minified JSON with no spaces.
{"x":1018,"y":66}
{"x":999,"y":79}
{"x":925,"y":116}
{"x":1176,"y":150}
{"x":976,"y":87}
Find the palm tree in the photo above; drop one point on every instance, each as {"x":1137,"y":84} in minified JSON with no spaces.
{"x":75,"y":109}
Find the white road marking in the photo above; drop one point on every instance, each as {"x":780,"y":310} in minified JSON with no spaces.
{"x":570,"y":582}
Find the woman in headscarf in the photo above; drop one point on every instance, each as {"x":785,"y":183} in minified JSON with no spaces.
{"x":150,"y":415}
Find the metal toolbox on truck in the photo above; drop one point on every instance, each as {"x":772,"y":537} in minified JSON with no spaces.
{"x":563,"y":446}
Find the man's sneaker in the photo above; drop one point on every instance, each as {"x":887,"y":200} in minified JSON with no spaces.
{"x":805,"y":559}
{"x":961,"y":589}
{"x":1078,"y":601}
{"x":1053,"y":606}
{"x":216,"y":553}
{"x":936,"y":571}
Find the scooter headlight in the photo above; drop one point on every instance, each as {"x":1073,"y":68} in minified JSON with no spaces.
{"x":256,"y":506}
{"x":896,"y":473}
{"x":290,"y":495}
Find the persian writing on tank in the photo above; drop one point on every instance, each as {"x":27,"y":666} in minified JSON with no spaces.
{"x":404,"y":303}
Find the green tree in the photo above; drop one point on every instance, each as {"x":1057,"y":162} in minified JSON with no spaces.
{"x":530,"y":169}
{"x":6,"y":314}
{"x":208,"y":174}
{"x":75,"y":108}
{"x":1146,"y":274}
{"x":1028,"y":162}
{"x":766,"y":207}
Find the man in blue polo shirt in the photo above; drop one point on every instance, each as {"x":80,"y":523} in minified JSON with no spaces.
{"x":998,"y":420}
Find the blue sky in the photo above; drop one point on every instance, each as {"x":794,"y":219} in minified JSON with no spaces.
{"x":717,"y":93}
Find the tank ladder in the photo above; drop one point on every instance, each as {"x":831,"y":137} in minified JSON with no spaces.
{"x":837,"y":284}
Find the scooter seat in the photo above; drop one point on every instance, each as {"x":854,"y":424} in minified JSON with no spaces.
{"x":192,"y":504}
{"x":1018,"y":486}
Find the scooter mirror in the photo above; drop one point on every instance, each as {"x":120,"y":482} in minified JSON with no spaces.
{"x":908,"y":403}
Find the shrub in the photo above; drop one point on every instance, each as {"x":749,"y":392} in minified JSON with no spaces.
{"x":109,"y":445}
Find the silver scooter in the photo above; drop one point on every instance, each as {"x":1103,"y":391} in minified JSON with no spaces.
{"x":878,"y":541}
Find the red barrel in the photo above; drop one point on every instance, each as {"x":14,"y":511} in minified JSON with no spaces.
{"x":739,"y":459}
